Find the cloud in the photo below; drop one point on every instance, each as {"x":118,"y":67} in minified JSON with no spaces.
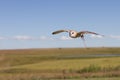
{"x":23,"y":37}
{"x":65,"y":38}
{"x":43,"y":38}
{"x":2,"y":38}
{"x":115,"y":36}
{"x":96,"y":36}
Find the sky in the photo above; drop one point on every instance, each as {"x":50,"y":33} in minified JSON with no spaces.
{"x":29,"y":23}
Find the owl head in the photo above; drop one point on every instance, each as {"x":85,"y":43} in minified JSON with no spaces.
{"x":73,"y":34}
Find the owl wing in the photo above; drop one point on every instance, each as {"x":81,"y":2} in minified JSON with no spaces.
{"x":59,"y":31}
{"x":87,"y":32}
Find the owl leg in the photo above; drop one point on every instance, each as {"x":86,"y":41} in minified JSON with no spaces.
{"x":83,"y":39}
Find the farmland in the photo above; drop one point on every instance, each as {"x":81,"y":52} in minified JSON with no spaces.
{"x":60,"y":63}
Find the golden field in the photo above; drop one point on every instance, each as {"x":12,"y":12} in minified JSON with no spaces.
{"x":60,"y":63}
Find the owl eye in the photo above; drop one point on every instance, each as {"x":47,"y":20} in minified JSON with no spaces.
{"x":72,"y":33}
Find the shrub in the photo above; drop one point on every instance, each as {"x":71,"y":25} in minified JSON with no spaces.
{"x":91,"y":68}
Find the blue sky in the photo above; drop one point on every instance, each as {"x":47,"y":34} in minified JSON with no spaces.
{"x":29,"y":23}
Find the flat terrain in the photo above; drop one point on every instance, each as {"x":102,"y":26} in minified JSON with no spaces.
{"x":60,"y":63}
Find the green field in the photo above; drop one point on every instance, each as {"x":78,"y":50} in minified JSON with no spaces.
{"x":60,"y":63}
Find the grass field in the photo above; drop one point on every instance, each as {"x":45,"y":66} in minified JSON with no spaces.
{"x":60,"y":63}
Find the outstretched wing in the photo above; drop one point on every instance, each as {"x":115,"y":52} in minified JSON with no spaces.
{"x":87,"y":32}
{"x":59,"y":31}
